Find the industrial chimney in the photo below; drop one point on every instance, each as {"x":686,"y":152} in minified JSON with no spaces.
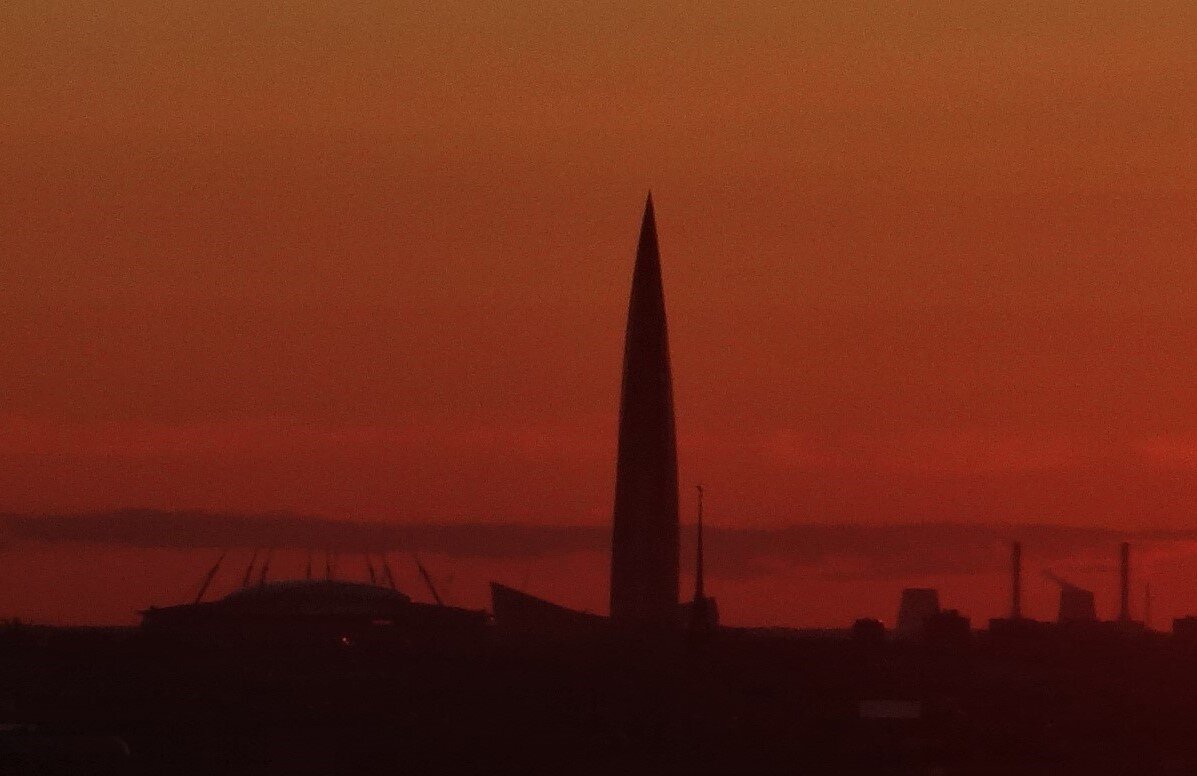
{"x":1016,"y":581}
{"x":1124,"y":582}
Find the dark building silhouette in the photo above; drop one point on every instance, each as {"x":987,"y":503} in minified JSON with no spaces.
{"x":518,"y":613}
{"x":1076,"y":603}
{"x":917,"y":606}
{"x":947,"y":627}
{"x":311,"y":611}
{"x":1185,"y":629}
{"x":868,"y":630}
{"x":644,"y":545}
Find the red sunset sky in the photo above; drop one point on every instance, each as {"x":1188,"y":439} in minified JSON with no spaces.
{"x":371,"y":261}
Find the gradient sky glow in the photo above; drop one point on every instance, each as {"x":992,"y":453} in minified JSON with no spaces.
{"x":371,"y":260}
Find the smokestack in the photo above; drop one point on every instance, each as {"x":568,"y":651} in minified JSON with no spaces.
{"x":1124,"y":599}
{"x":1147,"y":607}
{"x":1016,"y":581}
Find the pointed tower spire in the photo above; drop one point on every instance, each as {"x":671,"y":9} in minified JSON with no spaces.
{"x":644,"y":547}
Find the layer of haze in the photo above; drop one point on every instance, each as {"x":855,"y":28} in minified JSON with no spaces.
{"x":370,"y":260}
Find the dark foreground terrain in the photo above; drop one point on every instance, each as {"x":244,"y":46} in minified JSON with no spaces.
{"x":114,"y":702}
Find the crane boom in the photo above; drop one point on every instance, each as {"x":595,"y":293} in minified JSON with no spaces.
{"x":386,"y":568}
{"x":209,"y":577}
{"x":249,"y":571}
{"x":265,"y":568}
{"x":428,"y":581}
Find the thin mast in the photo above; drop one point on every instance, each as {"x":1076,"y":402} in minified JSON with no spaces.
{"x":386,"y":567}
{"x":265,"y":567}
{"x":428,"y":581}
{"x":249,"y":571}
{"x":699,"y":593}
{"x":209,"y":577}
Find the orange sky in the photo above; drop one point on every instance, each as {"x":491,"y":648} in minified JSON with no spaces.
{"x":371,"y":260}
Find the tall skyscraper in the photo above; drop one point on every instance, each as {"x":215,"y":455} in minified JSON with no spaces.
{"x":644,"y":546}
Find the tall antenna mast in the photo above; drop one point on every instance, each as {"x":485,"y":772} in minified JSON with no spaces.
{"x":699,"y":593}
{"x":704,"y":617}
{"x":370,"y":568}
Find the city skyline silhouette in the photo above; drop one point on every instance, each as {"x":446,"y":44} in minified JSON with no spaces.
{"x":343,"y":428}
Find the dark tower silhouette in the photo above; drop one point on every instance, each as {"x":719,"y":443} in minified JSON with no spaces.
{"x":1016,"y":581}
{"x":644,"y":545}
{"x":918,"y":605}
{"x":1124,"y":584}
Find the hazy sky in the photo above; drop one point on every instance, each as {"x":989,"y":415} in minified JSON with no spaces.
{"x":371,"y":259}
